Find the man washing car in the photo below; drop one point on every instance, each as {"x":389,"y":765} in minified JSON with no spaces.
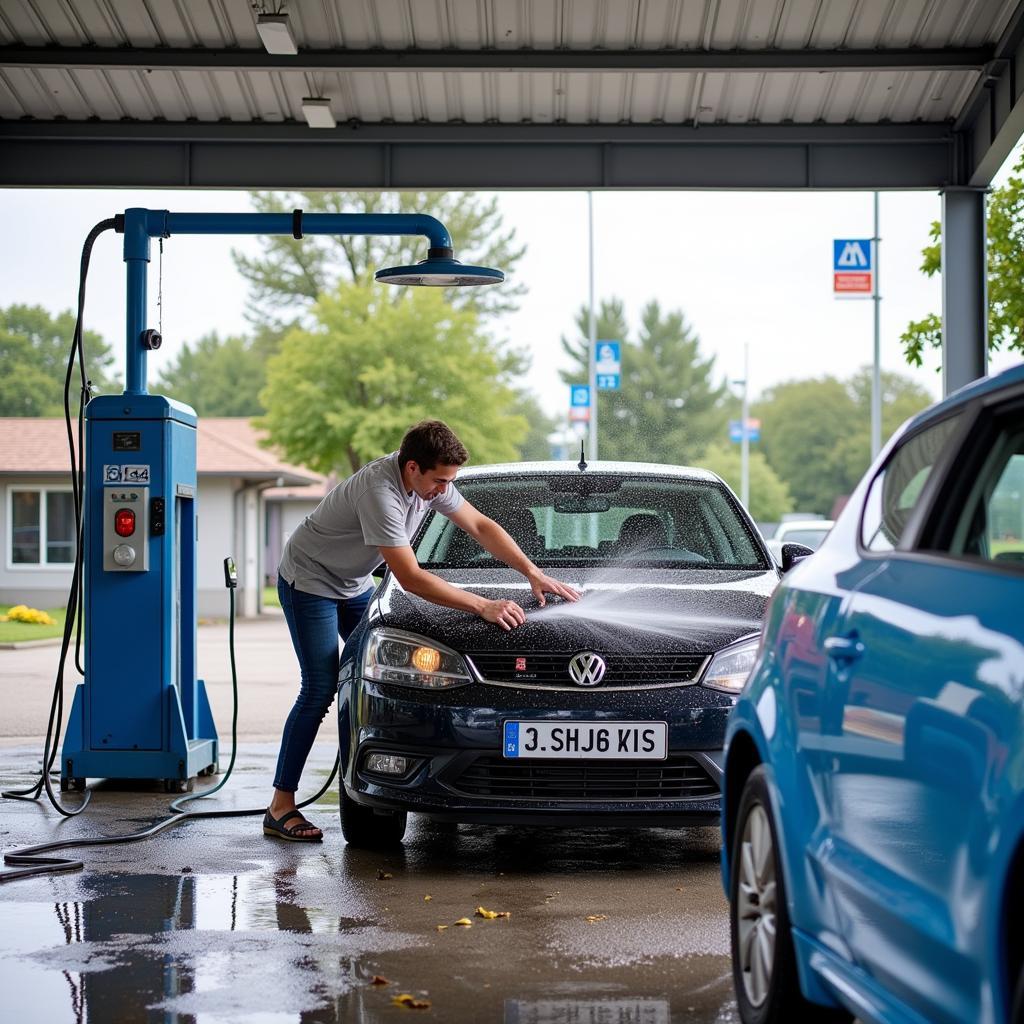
{"x":325,"y":586}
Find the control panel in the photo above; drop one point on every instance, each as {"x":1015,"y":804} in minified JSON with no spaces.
{"x":126,"y":529}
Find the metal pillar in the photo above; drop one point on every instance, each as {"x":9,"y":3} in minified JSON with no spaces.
{"x":964,"y":288}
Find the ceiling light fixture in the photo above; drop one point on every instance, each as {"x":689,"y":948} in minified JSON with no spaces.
{"x":317,"y":112}
{"x":276,"y":33}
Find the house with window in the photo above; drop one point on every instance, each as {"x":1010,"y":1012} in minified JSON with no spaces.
{"x":248,"y":501}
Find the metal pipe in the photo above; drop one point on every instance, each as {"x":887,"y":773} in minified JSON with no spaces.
{"x":745,"y":435}
{"x":592,"y":348}
{"x":136,"y":258}
{"x":876,"y":377}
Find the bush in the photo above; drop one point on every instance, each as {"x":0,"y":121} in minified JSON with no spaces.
{"x":22,"y":613}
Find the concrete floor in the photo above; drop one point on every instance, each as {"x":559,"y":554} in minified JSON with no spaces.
{"x":210,"y":921}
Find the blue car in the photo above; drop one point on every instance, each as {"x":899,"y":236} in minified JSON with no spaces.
{"x":873,"y":806}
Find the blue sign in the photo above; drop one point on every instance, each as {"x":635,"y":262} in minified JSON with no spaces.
{"x":736,"y":430}
{"x":608,"y":352}
{"x":579,"y":396}
{"x":607,"y":382}
{"x":851,"y":254}
{"x":511,"y":739}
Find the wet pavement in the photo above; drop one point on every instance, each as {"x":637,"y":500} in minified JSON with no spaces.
{"x":210,"y":922}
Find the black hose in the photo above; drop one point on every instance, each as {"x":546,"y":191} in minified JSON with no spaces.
{"x":29,"y":860}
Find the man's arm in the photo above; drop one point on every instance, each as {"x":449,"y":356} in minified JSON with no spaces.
{"x":493,"y":539}
{"x":416,"y":580}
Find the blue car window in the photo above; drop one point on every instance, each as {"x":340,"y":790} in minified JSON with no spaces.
{"x":897,"y":487}
{"x":992,"y":523}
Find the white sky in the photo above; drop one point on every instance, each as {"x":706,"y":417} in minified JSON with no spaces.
{"x":743,"y":267}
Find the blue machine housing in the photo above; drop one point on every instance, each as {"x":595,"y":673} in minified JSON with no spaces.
{"x":141,"y":712}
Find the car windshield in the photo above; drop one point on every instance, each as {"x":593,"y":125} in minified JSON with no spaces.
{"x":599,"y":519}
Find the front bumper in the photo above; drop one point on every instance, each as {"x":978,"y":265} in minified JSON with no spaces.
{"x":458,"y":774}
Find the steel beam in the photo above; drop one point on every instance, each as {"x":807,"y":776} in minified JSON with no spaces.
{"x":964,"y":288}
{"x":992,"y":120}
{"x":416,"y":156}
{"x":753,"y":61}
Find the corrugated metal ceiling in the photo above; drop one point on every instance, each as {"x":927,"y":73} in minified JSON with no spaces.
{"x":501,"y":96}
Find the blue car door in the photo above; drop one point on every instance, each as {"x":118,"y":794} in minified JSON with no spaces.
{"x":924,"y":667}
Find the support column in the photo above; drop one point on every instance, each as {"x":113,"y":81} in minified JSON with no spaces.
{"x":964,"y":288}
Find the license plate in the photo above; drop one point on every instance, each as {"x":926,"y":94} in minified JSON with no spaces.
{"x":626,"y":741}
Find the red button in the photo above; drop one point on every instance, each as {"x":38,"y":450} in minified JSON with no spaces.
{"x":124,"y":522}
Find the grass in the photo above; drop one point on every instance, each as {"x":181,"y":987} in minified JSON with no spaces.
{"x":270,"y":597}
{"x":13,"y":632}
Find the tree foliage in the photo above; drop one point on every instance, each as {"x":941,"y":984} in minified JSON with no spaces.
{"x":770,"y":499}
{"x":668,"y":408}
{"x":816,"y":434}
{"x":34,"y":350}
{"x":1005,"y":248}
{"x":290,"y":274}
{"x":218,"y":376}
{"x":343,"y":391}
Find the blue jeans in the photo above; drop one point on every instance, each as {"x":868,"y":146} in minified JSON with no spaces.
{"x":315,"y":624}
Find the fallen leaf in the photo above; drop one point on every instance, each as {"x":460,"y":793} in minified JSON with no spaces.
{"x":378,"y":980}
{"x":441,"y":927}
{"x":464,"y":922}
{"x":490,"y":915}
{"x":679,"y":888}
{"x":382,"y":874}
{"x":411,"y":1002}
{"x":594,"y":918}
{"x":427,"y":899}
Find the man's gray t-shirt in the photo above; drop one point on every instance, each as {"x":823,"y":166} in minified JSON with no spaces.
{"x":334,"y":550}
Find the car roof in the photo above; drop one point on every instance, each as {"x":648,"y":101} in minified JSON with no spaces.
{"x":572,"y":469}
{"x":983,"y":386}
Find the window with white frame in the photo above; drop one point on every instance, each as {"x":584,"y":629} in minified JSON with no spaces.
{"x":41,"y":527}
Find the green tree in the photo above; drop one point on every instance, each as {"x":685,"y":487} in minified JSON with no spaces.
{"x":1005,"y":247}
{"x":34,"y":348}
{"x":770,"y":499}
{"x":816,"y":434}
{"x":345,"y":389}
{"x":668,"y":408}
{"x":218,"y":376}
{"x":291,"y":274}
{"x":535,"y":447}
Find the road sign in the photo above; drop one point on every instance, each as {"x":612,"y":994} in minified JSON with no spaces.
{"x":608,"y":365}
{"x":852,"y":266}
{"x":753,"y":430}
{"x":607,"y":382}
{"x":579,"y":396}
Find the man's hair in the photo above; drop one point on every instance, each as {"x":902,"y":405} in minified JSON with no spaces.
{"x":429,"y":443}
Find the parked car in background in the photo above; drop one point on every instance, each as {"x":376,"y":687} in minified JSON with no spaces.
{"x":809,"y":532}
{"x":873,"y":812}
{"x":611,"y":710}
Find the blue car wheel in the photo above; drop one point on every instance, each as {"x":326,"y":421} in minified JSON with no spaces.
{"x":763,"y":961}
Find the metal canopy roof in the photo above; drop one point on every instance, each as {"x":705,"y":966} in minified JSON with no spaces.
{"x":513,"y":93}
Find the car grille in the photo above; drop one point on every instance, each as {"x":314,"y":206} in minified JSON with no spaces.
{"x":623,"y":670}
{"x":678,"y":778}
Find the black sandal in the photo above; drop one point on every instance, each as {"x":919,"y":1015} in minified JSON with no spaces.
{"x":276,"y":827}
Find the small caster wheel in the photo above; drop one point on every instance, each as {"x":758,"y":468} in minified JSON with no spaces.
{"x":179,"y":785}
{"x":72,"y":785}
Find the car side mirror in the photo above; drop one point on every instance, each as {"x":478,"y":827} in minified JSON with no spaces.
{"x":793,"y":554}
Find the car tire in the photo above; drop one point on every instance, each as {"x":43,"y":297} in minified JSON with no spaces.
{"x":367,"y":830}
{"x":763,"y":959}
{"x":1017,"y":1010}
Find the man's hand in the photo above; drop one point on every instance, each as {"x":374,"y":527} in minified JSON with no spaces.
{"x":542,"y":584}
{"x":506,"y":614}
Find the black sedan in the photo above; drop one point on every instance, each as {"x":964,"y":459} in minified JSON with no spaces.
{"x":609,"y":710}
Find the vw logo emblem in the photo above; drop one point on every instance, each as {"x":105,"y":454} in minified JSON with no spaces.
{"x":586,"y":668}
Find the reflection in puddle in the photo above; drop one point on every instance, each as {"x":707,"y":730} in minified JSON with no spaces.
{"x":587,"y":1011}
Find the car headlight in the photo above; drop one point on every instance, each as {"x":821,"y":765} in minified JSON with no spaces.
{"x":730,"y":667}
{"x":392,"y":656}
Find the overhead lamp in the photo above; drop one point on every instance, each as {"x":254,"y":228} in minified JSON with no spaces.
{"x":317,"y":112}
{"x":276,"y":33}
{"x":440,"y":270}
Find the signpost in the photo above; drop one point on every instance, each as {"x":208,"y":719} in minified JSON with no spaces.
{"x":608,"y":367}
{"x":579,"y":403}
{"x":852,"y":266}
{"x":855,"y":273}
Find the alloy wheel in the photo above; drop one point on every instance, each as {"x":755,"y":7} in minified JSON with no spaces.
{"x":755,"y":910}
